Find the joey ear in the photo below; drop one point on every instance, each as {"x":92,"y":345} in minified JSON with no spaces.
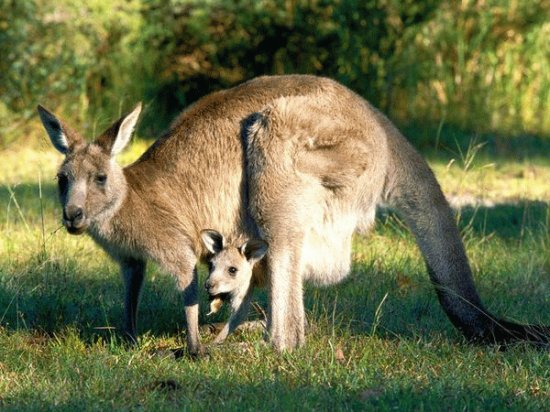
{"x":212,"y":240}
{"x":254,"y":250}
{"x":59,"y":135}
{"x":116,"y":137}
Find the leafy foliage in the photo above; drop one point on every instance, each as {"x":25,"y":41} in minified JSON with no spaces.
{"x":68,"y":55}
{"x":480,"y":65}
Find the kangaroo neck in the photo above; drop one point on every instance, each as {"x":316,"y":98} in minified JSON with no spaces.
{"x":102,"y":228}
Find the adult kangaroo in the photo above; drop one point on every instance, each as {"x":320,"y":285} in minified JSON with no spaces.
{"x":306,"y":158}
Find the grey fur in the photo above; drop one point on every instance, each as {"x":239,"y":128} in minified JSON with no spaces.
{"x":318,"y":160}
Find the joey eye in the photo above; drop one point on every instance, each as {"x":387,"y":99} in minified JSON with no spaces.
{"x":210,"y":267}
{"x":101,"y":179}
{"x":232,"y":270}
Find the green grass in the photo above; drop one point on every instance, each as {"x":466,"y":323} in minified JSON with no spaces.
{"x":377,"y":341}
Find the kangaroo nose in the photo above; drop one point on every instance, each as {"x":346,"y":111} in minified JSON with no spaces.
{"x":73,"y":213}
{"x":77,"y":213}
{"x":74,"y":219}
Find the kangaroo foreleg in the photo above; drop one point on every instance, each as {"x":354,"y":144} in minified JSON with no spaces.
{"x":191,"y":303}
{"x":133,"y":272}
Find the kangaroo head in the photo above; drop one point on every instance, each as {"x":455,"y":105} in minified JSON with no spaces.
{"x":91,"y":184}
{"x":230,"y":267}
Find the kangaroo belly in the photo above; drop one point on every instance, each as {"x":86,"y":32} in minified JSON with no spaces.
{"x":326,"y":249}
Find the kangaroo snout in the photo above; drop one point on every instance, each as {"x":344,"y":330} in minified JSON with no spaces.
{"x":74,"y":219}
{"x":216,"y":288}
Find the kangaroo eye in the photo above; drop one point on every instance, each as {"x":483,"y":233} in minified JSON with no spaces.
{"x":100,"y":179}
{"x":232,"y":270}
{"x":62,"y":181}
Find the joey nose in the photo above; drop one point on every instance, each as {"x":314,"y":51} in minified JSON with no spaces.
{"x":207,"y":285}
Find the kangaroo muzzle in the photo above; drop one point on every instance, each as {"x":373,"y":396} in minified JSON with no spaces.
{"x":74,"y":219}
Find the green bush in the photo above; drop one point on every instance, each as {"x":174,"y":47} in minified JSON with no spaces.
{"x":69,"y":56}
{"x":206,"y":46}
{"x":481,"y":66}
{"x":475,"y":65}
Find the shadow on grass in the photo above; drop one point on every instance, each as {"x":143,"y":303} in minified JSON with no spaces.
{"x":441,"y":141}
{"x":404,"y":305}
{"x":411,"y":308}
{"x":507,"y":220}
{"x":504,"y":220}
{"x":133,"y":390}
{"x":23,"y":202}
{"x":49,"y":296}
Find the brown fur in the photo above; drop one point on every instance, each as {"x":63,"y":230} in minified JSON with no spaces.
{"x":318,"y":161}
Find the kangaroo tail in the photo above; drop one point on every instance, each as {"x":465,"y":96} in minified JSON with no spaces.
{"x":411,"y":188}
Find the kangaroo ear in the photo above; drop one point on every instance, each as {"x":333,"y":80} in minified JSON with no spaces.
{"x":61,"y":136}
{"x":116,"y":137}
{"x":253,"y":250}
{"x":212,"y":240}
